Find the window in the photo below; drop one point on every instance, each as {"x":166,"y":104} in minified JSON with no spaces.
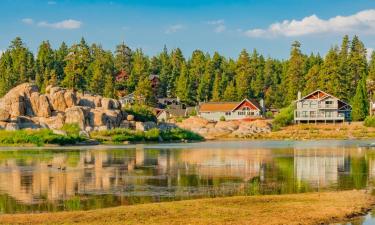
{"x":227,"y":113}
{"x":304,"y":113}
{"x":329,"y":103}
{"x":246,"y":108}
{"x":328,"y":114}
{"x":313,"y":104}
{"x":305,"y":104}
{"x":312,"y":114}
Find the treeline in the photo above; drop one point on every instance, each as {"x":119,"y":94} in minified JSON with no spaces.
{"x":343,"y":72}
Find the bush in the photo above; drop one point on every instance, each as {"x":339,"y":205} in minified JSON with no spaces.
{"x":269,"y":114}
{"x":71,"y":129}
{"x":369,"y":121}
{"x":152,"y":135}
{"x":180,"y":134}
{"x":120,"y":135}
{"x":222,"y":118}
{"x":285,"y":117}
{"x":193,"y":113}
{"x":141,"y":113}
{"x":37,"y":137}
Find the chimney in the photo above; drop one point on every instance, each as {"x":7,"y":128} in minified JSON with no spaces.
{"x":299,"y":95}
{"x":261,"y":103}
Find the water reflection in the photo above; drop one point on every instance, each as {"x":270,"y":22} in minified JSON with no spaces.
{"x":53,"y":180}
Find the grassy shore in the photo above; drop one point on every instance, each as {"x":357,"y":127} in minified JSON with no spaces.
{"x":354,"y":130}
{"x":119,"y":135}
{"x":307,"y":208}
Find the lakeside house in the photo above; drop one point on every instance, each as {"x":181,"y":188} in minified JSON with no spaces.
{"x":319,"y":106}
{"x":245,"y":109}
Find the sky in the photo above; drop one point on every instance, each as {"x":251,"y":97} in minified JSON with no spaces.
{"x":225,"y":26}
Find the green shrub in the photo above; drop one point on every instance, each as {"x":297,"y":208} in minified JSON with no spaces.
{"x":285,"y":117}
{"x":222,"y":118}
{"x":37,"y":137}
{"x":369,"y":121}
{"x":141,"y":113}
{"x":269,"y":114}
{"x":71,"y":129}
{"x":152,"y":134}
{"x":193,"y":113}
{"x":180,"y":134}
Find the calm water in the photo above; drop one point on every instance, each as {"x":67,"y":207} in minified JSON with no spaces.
{"x":35,"y":180}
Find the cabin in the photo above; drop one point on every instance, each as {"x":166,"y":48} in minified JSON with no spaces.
{"x":320,"y":106}
{"x":128,"y":99}
{"x":245,"y":109}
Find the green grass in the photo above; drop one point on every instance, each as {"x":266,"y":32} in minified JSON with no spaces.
{"x":369,"y":121}
{"x":36,"y":137}
{"x":120,"y":135}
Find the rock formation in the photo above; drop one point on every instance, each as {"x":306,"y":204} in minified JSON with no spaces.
{"x":225,"y":129}
{"x":25,"y":107}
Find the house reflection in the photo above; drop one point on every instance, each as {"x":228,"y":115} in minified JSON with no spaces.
{"x":35,"y":178}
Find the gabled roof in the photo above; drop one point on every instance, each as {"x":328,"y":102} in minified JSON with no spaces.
{"x":225,"y":106}
{"x":319,"y":94}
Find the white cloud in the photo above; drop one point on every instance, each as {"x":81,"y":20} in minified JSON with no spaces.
{"x":174,"y":28}
{"x":28,"y":21}
{"x":51,"y":3}
{"x":361,"y":22}
{"x":65,"y":24}
{"x":218,"y":24}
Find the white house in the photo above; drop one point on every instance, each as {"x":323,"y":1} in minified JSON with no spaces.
{"x":320,"y":106}
{"x":245,"y":109}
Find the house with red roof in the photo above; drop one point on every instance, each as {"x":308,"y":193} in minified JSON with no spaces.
{"x":245,"y":109}
{"x":319,"y":106}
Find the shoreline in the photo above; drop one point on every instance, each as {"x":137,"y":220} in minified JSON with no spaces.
{"x":303,"y":208}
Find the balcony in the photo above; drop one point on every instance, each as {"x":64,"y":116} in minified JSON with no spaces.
{"x":318,"y":116}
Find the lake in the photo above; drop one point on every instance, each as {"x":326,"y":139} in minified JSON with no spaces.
{"x":82,"y":178}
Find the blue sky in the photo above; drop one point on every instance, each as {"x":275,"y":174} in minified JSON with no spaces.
{"x":221,"y":25}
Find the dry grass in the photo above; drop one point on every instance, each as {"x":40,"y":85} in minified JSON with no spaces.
{"x":309,"y":208}
{"x":354,"y":130}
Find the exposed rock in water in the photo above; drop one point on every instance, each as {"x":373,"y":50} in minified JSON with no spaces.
{"x":225,"y":129}
{"x":25,"y":107}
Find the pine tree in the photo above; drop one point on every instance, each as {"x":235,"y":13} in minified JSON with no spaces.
{"x":230,"y":93}
{"x":77,"y":63}
{"x":357,"y":64}
{"x":59,"y":64}
{"x":329,"y":76}
{"x":216,"y":89}
{"x":243,"y":73}
{"x":205,"y":85}
{"x":139,"y":70}
{"x":313,"y":79}
{"x":294,"y":80}
{"x":101,"y":72}
{"x":360,"y":102}
{"x":345,"y":79}
{"x":370,"y":83}
{"x":44,"y":64}
{"x":123,"y":58}
{"x":165,"y":74}
{"x":182,"y":86}
{"x":257,"y":83}
{"x":197,"y":65}
{"x":143,"y":93}
{"x":177,"y":59}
